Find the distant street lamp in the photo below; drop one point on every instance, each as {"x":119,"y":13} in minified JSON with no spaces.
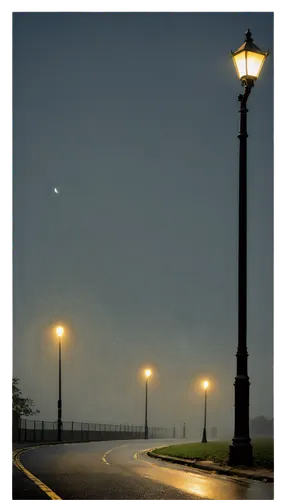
{"x":248,"y":61}
{"x":147,"y":375}
{"x":204,"y":440}
{"x":60,"y":331}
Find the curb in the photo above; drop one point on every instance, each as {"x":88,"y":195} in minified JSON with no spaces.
{"x":215,"y":468}
{"x":30,"y":446}
{"x":26,"y":445}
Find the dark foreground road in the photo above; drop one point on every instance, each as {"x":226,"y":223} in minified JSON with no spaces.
{"x":117,"y":470}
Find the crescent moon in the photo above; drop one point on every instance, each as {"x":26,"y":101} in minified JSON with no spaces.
{"x":56,"y":191}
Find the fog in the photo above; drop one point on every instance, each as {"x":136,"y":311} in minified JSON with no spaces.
{"x":134,"y":117}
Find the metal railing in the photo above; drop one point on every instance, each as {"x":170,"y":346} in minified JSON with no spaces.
{"x":41,"y":431}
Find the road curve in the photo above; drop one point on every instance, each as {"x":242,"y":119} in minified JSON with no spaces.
{"x":120,"y":470}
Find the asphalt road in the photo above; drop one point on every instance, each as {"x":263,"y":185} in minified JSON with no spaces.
{"x":118,"y":470}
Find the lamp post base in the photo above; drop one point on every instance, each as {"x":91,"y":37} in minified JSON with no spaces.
{"x":59,"y":430}
{"x":240,"y":454}
{"x":146,"y":432}
{"x":204,"y":440}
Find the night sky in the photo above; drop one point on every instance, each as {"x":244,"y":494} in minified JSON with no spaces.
{"x":134,"y":118}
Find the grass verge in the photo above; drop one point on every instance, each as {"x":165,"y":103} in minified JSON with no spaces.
{"x":217,"y":451}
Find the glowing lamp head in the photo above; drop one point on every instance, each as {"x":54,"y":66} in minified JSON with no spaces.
{"x":59,"y":331}
{"x":148,"y":373}
{"x":248,"y":60}
{"x":205,"y":384}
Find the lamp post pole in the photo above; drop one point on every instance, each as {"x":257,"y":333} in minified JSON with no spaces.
{"x":241,"y":448}
{"x":204,"y":439}
{"x":146,"y":409}
{"x":248,"y":61}
{"x":60,"y":393}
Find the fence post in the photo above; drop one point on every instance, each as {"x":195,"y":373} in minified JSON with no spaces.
{"x":42,"y":432}
{"x":88,"y":432}
{"x":184,"y":430}
{"x":72,"y":430}
{"x":34,"y":433}
{"x":25,"y":435}
{"x":81,"y":432}
{"x":174,"y":432}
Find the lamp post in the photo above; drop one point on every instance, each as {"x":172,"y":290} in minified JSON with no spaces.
{"x":147,"y":375}
{"x":60,"y":331}
{"x":204,"y":439}
{"x":248,"y":61}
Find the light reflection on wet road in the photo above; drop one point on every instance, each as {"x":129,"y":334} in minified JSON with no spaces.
{"x":204,"y":484}
{"x":118,"y":470}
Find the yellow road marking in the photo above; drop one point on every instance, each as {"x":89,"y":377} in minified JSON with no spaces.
{"x":50,"y":493}
{"x":145,"y":461}
{"x":148,"y":461}
{"x":109,"y":451}
{"x":16,"y":459}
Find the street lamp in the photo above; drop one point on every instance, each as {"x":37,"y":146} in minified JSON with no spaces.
{"x":147,"y":375}
{"x":248,"y":61}
{"x":204,"y":440}
{"x":60,"y":332}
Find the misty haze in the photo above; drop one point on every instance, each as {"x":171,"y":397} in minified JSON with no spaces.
{"x":125,"y":230}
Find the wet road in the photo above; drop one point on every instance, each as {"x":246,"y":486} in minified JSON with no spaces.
{"x":118,"y":470}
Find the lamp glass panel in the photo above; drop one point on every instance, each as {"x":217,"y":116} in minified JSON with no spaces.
{"x":240,"y":63}
{"x":254,"y":63}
